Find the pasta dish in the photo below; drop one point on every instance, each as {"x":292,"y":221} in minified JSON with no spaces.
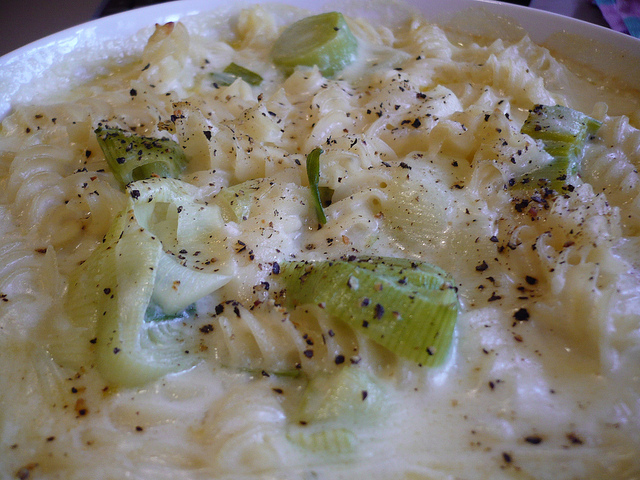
{"x":278,"y":244}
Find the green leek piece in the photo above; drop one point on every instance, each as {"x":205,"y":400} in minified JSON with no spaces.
{"x":562,"y":129}
{"x":350,"y":393}
{"x":235,"y":201}
{"x":313,"y":174}
{"x":221,"y":79}
{"x":133,"y":157}
{"x":234,"y":71}
{"x":323,"y":40}
{"x":176,"y":287}
{"x":408,"y":307}
{"x":564,"y":132}
{"x":155,"y":313}
{"x":326,"y":195}
{"x":252,"y":78}
{"x":347,"y":398}
{"x":332,"y":440}
{"x":130,"y":282}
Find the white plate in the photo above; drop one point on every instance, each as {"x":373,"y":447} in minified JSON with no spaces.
{"x":22,"y":72}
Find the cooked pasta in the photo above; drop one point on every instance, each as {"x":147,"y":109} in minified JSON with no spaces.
{"x":422,"y":161}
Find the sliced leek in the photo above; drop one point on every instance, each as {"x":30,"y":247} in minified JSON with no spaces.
{"x":120,"y":339}
{"x":350,"y":393}
{"x":331,"y":440}
{"x":249,"y":76}
{"x":323,"y":40}
{"x":133,"y":157}
{"x":131,"y":273}
{"x":176,"y":287}
{"x":222,"y":79}
{"x":235,"y":201}
{"x":155,"y":313}
{"x":234,"y":71}
{"x":562,"y":129}
{"x":563,"y":132}
{"x":334,"y":406}
{"x":408,"y":307}
{"x":313,"y":175}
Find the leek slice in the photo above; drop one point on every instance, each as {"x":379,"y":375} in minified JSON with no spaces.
{"x":234,"y":71}
{"x":251,"y":77}
{"x":191,"y":231}
{"x":221,"y":79}
{"x":350,"y":393}
{"x":408,"y":307}
{"x":176,"y":287}
{"x":313,"y":175}
{"x":132,"y":273}
{"x":333,"y":441}
{"x":563,"y":132}
{"x":323,"y":40}
{"x":155,"y":313}
{"x":133,"y":157}
{"x":562,"y":129}
{"x":235,"y":201}
{"x":120,"y":354}
{"x":331,"y":404}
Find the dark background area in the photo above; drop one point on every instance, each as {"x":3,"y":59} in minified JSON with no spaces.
{"x":109,"y":7}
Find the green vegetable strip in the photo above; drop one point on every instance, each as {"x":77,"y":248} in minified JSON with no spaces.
{"x":110,"y":291}
{"x":313,"y":174}
{"x":332,"y":404}
{"x":235,"y":201}
{"x":338,"y":397}
{"x":562,"y":129}
{"x":564,"y":132}
{"x":176,"y":287}
{"x":155,"y":313}
{"x":409,"y":308}
{"x":221,"y":79}
{"x":233,"y":71}
{"x":134,"y":294}
{"x":323,"y":40}
{"x":252,"y":78}
{"x":120,"y":355}
{"x":133,"y":157}
{"x":332,"y":440}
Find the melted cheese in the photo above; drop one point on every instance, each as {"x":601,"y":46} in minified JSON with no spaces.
{"x":421,"y":137}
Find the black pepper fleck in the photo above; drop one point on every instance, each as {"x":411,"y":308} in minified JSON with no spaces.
{"x":522,"y":315}
{"x":482,"y":267}
{"x":533,"y":439}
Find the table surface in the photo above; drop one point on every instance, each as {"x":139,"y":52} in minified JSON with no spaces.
{"x":22,"y":22}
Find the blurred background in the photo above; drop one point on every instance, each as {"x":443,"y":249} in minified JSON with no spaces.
{"x":23,"y":21}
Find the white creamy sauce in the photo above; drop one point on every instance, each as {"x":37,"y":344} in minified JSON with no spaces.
{"x":421,"y":137}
